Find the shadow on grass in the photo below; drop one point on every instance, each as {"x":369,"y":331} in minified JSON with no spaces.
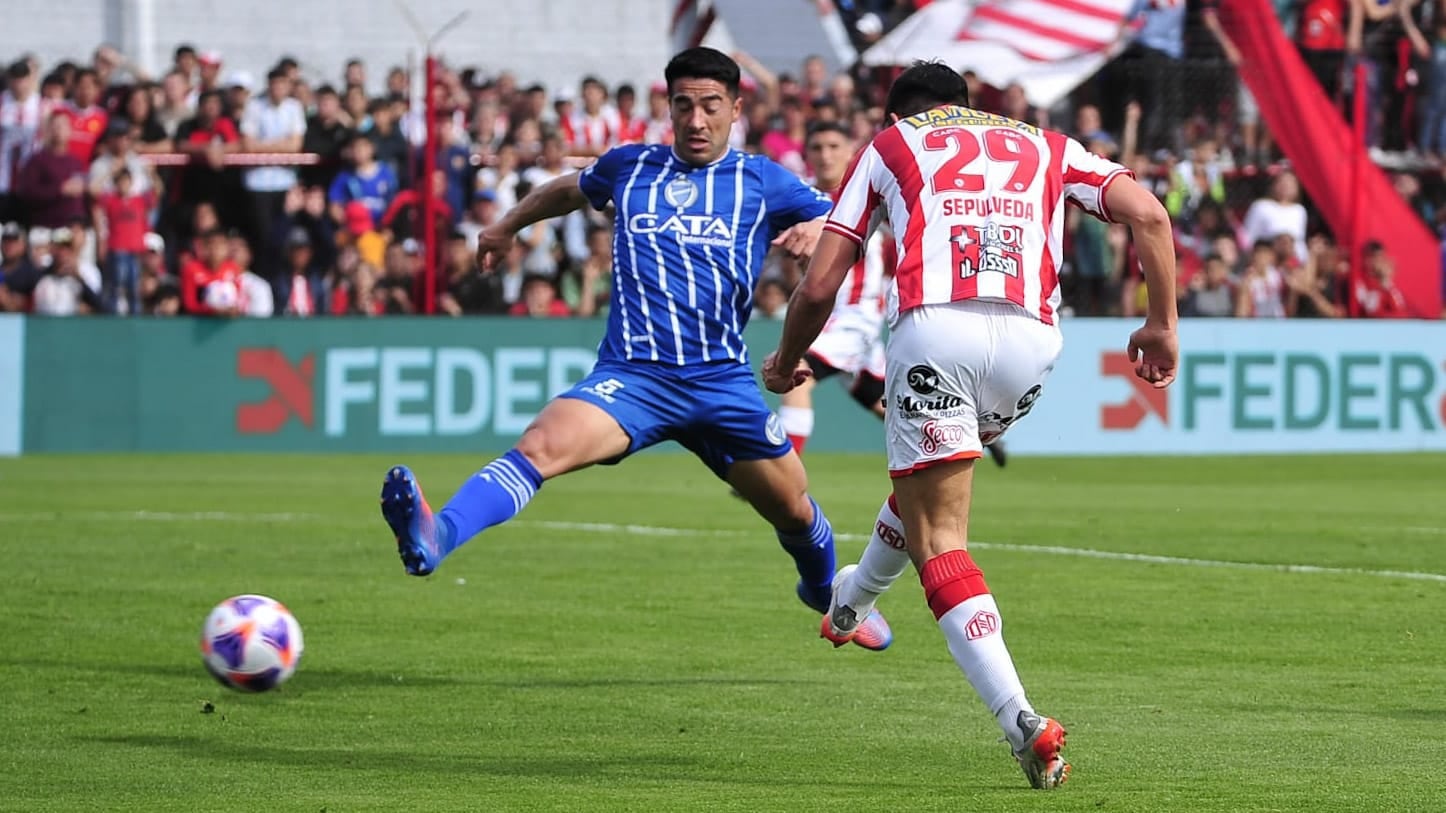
{"x":234,"y":753}
{"x":321,"y":678}
{"x":617,"y":769}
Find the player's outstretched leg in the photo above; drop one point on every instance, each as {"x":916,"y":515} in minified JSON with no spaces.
{"x":490,"y":497}
{"x":934,"y":505}
{"x":857,"y":587}
{"x":568,"y":434}
{"x":776,"y":490}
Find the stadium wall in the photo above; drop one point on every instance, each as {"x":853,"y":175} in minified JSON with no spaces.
{"x":539,"y":41}
{"x":472,"y":385}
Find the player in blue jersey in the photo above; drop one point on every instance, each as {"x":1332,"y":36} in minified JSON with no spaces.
{"x":693,"y":223}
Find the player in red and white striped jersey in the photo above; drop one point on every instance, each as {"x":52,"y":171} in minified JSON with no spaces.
{"x":976,"y":204}
{"x":852,"y":341}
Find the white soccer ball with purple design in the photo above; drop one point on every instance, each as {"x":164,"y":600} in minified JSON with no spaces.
{"x":251,"y":643}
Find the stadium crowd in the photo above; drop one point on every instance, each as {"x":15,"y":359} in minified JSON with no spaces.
{"x":212,"y":191}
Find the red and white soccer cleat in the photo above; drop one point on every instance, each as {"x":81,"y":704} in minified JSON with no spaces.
{"x":1039,"y":756}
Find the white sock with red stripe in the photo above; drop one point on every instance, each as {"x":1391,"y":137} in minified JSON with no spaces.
{"x":969,"y":619}
{"x":885,"y":559}
{"x":797,"y":424}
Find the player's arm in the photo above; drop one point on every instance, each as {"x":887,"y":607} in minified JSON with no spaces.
{"x":1154,"y":347}
{"x":810,"y":307}
{"x":797,"y":211}
{"x":844,"y":236}
{"x":558,"y":197}
{"x":555,"y":198}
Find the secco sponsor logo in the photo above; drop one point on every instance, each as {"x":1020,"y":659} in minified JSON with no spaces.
{"x":940,"y":435}
{"x":405,"y":391}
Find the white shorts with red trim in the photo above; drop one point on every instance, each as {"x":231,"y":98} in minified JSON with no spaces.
{"x":958,"y":376}
{"x":852,"y":342}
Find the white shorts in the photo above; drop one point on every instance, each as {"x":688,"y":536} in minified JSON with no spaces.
{"x":958,"y":376}
{"x":852,"y":342}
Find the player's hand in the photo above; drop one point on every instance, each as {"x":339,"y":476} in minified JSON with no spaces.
{"x":493,"y":246}
{"x":1155,"y":352}
{"x":800,"y":240}
{"x":780,"y":380}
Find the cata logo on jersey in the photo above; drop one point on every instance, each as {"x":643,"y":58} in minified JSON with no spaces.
{"x":702,"y":229}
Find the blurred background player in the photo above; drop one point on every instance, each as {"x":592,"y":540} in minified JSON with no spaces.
{"x":973,"y":337}
{"x":852,"y":342}
{"x":693,"y":224}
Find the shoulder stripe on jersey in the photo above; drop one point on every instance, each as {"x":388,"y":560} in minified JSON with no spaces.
{"x":844,"y":231}
{"x":1105,"y":188}
{"x":894,"y":151}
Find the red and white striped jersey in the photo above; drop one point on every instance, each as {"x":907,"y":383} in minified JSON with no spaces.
{"x":867,"y":281}
{"x":976,"y":204}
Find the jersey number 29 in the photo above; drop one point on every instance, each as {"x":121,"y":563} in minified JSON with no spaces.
{"x":999,"y":144}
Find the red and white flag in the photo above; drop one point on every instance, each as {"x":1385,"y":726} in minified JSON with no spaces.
{"x":1046,"y":30}
{"x":692,"y":20}
{"x":1048,"y":46}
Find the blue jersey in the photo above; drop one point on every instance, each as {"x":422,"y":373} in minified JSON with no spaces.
{"x":376,"y":192}
{"x":688,"y":243}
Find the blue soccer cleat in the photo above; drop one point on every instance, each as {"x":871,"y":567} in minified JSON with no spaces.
{"x":872,"y":633}
{"x":411,"y":521}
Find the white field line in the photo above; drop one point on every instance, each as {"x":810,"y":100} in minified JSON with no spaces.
{"x":1047,"y":550}
{"x":657,"y":530}
{"x":156,"y":516}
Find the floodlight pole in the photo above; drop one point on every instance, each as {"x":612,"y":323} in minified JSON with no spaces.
{"x":429,"y":153}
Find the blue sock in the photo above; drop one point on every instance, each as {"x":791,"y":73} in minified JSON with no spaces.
{"x":812,"y":552}
{"x":490,"y":497}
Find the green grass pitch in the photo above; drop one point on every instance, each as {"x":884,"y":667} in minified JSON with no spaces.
{"x":551,"y":665}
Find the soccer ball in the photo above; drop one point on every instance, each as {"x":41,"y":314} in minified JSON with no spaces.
{"x":251,"y":643}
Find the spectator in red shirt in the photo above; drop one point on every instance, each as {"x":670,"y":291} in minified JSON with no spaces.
{"x":88,"y":120}
{"x":539,"y":300}
{"x":124,"y":218}
{"x":51,"y":186}
{"x":1375,"y":291}
{"x":632,"y":128}
{"x":211,"y":284}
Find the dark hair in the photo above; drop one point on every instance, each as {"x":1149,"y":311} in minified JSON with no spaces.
{"x":207,"y":95}
{"x":704,"y":63}
{"x":19,"y":69}
{"x":275,"y":73}
{"x":828,"y":127}
{"x":1263,"y":245}
{"x":288,"y":63}
{"x":355,"y":61}
{"x":925,"y":85}
{"x":625,"y":89}
{"x":327,"y":90}
{"x":183,"y":50}
{"x":593,"y":80}
{"x":52,"y":79}
{"x":84,"y":72}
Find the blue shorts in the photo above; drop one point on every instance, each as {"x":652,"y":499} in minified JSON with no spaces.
{"x":714,"y":411}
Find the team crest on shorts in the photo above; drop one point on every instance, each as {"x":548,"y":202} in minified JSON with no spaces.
{"x":773,"y":430}
{"x":680,"y":192}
